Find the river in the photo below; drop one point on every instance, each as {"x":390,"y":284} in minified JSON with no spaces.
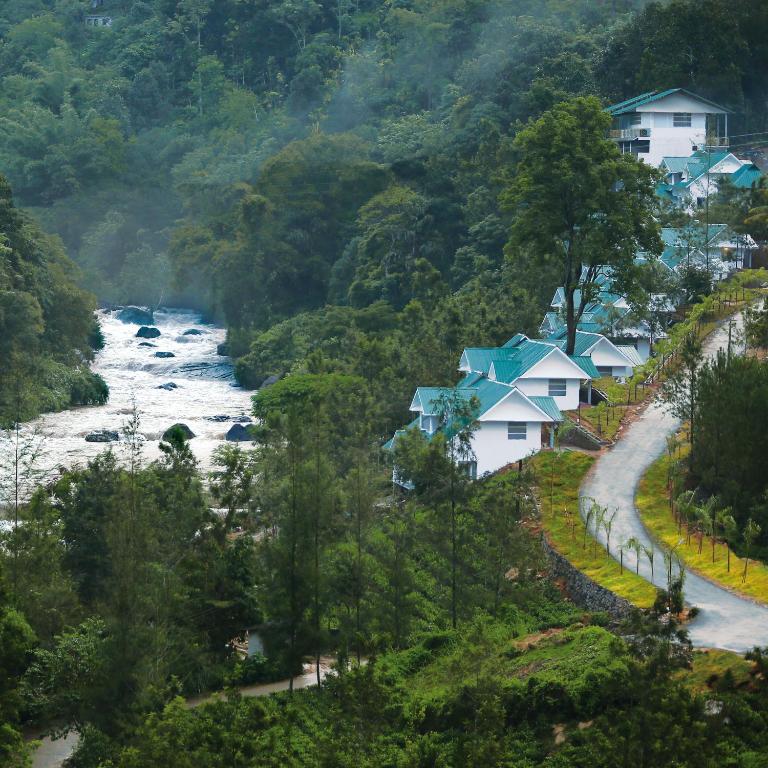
{"x":206,"y":397}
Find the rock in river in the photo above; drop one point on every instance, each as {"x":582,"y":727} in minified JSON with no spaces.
{"x":164,"y":354}
{"x":168,"y":386}
{"x":102,"y":436}
{"x":137,"y":315}
{"x":183,"y":429}
{"x":145,"y":332}
{"x":239,"y":434}
{"x":147,"y":344}
{"x":192,"y":332}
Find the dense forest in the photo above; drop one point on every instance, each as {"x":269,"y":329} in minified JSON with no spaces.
{"x":47,"y":329}
{"x":325,"y":176}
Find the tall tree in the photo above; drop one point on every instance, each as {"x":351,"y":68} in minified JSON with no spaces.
{"x":579,"y":202}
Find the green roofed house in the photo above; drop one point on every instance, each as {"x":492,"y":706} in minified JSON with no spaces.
{"x":520,"y":390}
{"x":510,"y":425}
{"x":691,"y":179}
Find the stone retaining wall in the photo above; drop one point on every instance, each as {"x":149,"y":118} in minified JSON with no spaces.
{"x":581,"y":589}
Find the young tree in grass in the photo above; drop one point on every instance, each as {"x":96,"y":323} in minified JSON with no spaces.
{"x":650,"y":553}
{"x":589,"y":516}
{"x":583,"y":204}
{"x":607,"y":523}
{"x":680,"y":390}
{"x":636,"y":546}
{"x":727,"y":525}
{"x":686,"y":510}
{"x":751,"y":532}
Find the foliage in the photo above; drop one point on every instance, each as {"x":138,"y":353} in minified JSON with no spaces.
{"x":46,"y":323}
{"x":698,"y":554}
{"x":579,"y":203}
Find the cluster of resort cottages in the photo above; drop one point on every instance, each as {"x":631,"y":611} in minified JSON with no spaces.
{"x":523,"y":387}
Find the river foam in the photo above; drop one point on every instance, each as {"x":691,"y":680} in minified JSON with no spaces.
{"x":205,"y":388}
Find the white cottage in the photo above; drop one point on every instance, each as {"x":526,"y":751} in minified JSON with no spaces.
{"x":671,"y":123}
{"x":510,"y":425}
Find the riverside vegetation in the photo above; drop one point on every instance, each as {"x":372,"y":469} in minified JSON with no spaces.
{"x":337,"y":181}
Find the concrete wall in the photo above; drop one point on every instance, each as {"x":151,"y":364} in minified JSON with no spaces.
{"x":540,"y":387}
{"x":494,"y":450}
{"x":581,"y":589}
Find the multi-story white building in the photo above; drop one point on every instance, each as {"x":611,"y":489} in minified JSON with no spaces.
{"x":671,"y":123}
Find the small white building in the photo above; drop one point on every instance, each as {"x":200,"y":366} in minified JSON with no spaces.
{"x":689,"y":181}
{"x":510,"y":425}
{"x":671,"y":123}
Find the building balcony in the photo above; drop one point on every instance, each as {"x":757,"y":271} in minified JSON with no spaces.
{"x":629,"y":134}
{"x":717,"y":142}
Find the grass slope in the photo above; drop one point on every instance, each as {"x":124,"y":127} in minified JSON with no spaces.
{"x":653,"y":504}
{"x":565,"y":529}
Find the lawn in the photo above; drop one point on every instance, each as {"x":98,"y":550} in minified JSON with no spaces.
{"x":565,"y":529}
{"x":602,"y":420}
{"x":653,"y":504}
{"x":711,"y":666}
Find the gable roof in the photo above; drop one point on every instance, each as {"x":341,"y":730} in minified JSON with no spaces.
{"x":630,"y":105}
{"x":520,"y":353}
{"x":585,"y":340}
{"x":747,"y":176}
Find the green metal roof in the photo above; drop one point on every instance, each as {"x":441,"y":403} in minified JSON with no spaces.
{"x":548,"y":405}
{"x":584,"y":341}
{"x":631,"y":105}
{"x":675,"y":164}
{"x":390,"y":444}
{"x":746,"y":177}
{"x":586,"y":365}
{"x":521,"y":357}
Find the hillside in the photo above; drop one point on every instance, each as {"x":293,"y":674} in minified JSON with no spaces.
{"x":47,"y":329}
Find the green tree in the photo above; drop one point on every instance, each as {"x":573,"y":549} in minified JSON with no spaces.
{"x":579,"y":202}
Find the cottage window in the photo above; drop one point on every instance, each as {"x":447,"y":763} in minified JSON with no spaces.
{"x":635,"y":119}
{"x":605,"y":370}
{"x":517,"y":430}
{"x":558,"y":388}
{"x":681,"y":119}
{"x":429,"y":424}
{"x":470,"y":468}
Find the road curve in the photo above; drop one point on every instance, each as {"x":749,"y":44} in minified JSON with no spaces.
{"x":726,"y":620}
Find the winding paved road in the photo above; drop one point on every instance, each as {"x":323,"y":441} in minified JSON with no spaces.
{"x":726,"y":620}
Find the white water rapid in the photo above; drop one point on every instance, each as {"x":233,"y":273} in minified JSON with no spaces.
{"x":205,"y":398}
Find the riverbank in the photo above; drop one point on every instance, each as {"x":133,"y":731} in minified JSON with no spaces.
{"x":174,"y":377}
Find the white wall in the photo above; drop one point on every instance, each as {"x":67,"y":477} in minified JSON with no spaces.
{"x":605,"y":354}
{"x":494,"y":450}
{"x":540,"y":387}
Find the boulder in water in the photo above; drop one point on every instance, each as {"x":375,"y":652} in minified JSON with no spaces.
{"x":147,"y":344}
{"x":137,"y":315}
{"x":219,"y":417}
{"x":222,"y":349}
{"x":168,"y":386}
{"x":192,"y":332}
{"x":242,"y":419}
{"x":102,"y":436}
{"x":179,"y":429}
{"x":239,"y":434}
{"x":269,"y":381}
{"x":164,"y":354}
{"x":145,"y":332}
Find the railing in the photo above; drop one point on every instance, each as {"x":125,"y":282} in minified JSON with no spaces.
{"x":715,"y":142}
{"x":630,"y":133}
